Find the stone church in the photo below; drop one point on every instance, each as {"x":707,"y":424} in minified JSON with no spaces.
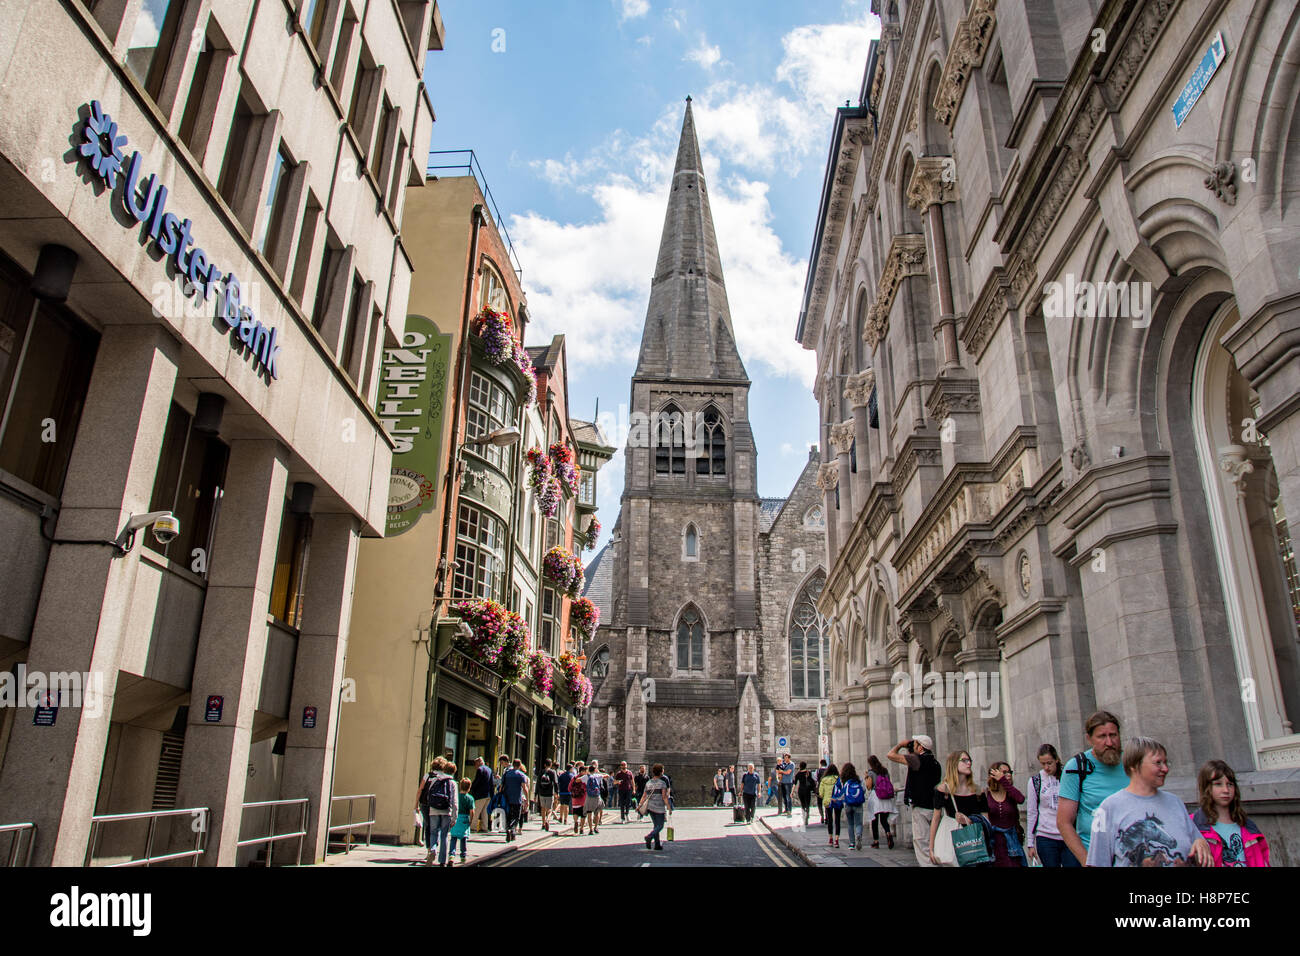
{"x":711,"y":646}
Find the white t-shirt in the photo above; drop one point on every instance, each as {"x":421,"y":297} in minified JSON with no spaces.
{"x":1130,"y":830}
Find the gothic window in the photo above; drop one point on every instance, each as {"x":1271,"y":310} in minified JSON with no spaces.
{"x":670,"y":442}
{"x":691,"y":544}
{"x":814,"y":519}
{"x":690,"y":640}
{"x":712,"y":458}
{"x":808,"y":643}
{"x":600,"y":663}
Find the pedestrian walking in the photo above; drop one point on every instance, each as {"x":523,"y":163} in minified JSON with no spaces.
{"x":957,"y":796}
{"x":642,"y":778}
{"x":749,"y":784}
{"x":834,"y":808}
{"x":595,"y":800}
{"x":626,"y":785}
{"x":480,"y":788}
{"x":785,"y":780}
{"x":460,"y":829}
{"x":853,"y":796}
{"x":656,"y":800}
{"x":772,"y":790}
{"x":1233,"y":838}
{"x":718,"y":784}
{"x":562,"y":795}
{"x":880,"y":802}
{"x":821,"y":805}
{"x":439,"y":799}
{"x":514,"y":786}
{"x":923,"y":775}
{"x":729,"y":782}
{"x":548,"y":785}
{"x":1003,"y":801}
{"x":1090,"y":776}
{"x":422,"y":808}
{"x":805,"y":784}
{"x":578,"y":796}
{"x":1043,"y":843}
{"x":1142,"y":825}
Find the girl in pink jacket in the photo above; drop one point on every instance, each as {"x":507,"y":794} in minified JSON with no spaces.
{"x":1233,"y":837}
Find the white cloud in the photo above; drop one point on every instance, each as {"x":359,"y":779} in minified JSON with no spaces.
{"x":675,"y":18}
{"x":645,"y":40}
{"x":705,"y":55}
{"x":632,"y":9}
{"x":824,"y":63}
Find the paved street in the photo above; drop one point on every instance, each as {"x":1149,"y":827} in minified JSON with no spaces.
{"x":702,"y":837}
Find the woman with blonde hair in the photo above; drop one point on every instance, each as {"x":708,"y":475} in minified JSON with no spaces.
{"x":957,"y":794}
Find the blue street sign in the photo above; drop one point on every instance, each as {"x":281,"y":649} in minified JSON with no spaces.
{"x":1200,"y":78}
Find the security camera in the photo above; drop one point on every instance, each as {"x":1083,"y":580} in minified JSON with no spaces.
{"x":166,"y":528}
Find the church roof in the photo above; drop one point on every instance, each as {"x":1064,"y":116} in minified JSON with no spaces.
{"x":599,"y":577}
{"x":688,"y":332}
{"x":768,"y":509}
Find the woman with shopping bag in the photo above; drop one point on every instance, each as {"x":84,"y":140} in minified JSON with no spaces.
{"x":959,"y":796}
{"x":655,"y":801}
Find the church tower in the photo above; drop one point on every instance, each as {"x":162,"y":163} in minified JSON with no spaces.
{"x":684,"y":630}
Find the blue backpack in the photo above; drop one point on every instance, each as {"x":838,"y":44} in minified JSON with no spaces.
{"x":837,"y":794}
{"x":854,"y":795}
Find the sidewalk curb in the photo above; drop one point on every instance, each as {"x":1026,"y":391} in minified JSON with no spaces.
{"x":507,"y":848}
{"x":809,"y":859}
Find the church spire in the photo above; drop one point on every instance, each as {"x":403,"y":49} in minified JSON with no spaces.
{"x":688,"y":333}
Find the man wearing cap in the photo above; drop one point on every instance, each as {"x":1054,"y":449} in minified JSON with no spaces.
{"x":923,"y":775}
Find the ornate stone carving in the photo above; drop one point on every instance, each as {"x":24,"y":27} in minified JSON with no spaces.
{"x":1221,"y":182}
{"x":906,"y":256}
{"x":828,"y":476}
{"x":969,"y":44}
{"x":858,"y":391}
{"x":1079,"y":457}
{"x":1235,"y":462}
{"x":1026,"y":574}
{"x":841,"y":437}
{"x":933,"y":182}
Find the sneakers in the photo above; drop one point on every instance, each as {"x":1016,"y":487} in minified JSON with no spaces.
{"x":462,"y":859}
{"x":837,"y":844}
{"x":830,"y":841}
{"x":647,"y":843}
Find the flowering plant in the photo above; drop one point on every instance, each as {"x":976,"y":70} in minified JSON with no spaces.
{"x":563,"y":569}
{"x":525,"y":366}
{"x":498,"y":338}
{"x":576,"y":683}
{"x":593,"y":532}
{"x":585,"y":616}
{"x":541,"y":471}
{"x":488,"y":620}
{"x":514,"y":653}
{"x":582,"y":696}
{"x":565,"y":468}
{"x":541,"y":671}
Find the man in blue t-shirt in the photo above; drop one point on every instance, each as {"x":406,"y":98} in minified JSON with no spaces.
{"x":749,"y":791}
{"x":1083,"y":788}
{"x":514,"y":785}
{"x":785,"y":776}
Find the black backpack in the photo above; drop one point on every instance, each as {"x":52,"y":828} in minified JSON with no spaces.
{"x":436,"y":794}
{"x":546,"y":784}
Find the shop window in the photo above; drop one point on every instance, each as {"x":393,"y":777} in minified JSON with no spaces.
{"x":188,"y":483}
{"x":289,"y":581}
{"x":46,"y":357}
{"x":152,"y":42}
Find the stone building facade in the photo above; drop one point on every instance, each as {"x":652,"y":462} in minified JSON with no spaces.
{"x":1054,"y":300}
{"x":699,"y":672}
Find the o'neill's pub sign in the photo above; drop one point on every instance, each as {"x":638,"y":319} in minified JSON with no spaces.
{"x":471,"y":670}
{"x":145,"y":200}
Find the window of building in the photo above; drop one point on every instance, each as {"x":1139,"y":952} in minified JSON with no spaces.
{"x":289,"y":581}
{"x":552,"y":534}
{"x":330,"y":259}
{"x":342,"y":47}
{"x":239,"y":153}
{"x":691,"y":544}
{"x":188,"y":483}
{"x":46,"y":357}
{"x":690,"y":640}
{"x":600,"y":663}
{"x":352,"y":326}
{"x":271,"y":222}
{"x":492,"y":290}
{"x":313,"y":20}
{"x":712,"y":458}
{"x":480,"y":555}
{"x":361,"y":107}
{"x":490,"y":408}
{"x":205,"y":90}
{"x":152,"y":41}
{"x":395,"y":179}
{"x":670,"y":442}
{"x":311,"y":218}
{"x":587,"y":487}
{"x":808,"y":658}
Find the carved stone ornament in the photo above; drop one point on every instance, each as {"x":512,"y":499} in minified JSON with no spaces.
{"x":828,"y":476}
{"x":933,"y":182}
{"x":842,"y":437}
{"x":906,"y":257}
{"x":858,"y":391}
{"x":1026,"y":574}
{"x":969,"y":44}
{"x":1236,"y":464}
{"x":1079,"y":457}
{"x":1222,"y":182}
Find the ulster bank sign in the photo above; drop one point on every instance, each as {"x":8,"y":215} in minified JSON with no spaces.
{"x":144,"y":198}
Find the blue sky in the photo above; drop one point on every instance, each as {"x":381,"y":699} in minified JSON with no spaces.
{"x":574,"y":110}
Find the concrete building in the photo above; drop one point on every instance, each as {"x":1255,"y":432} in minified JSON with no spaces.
{"x":1053,"y":297}
{"x":201,"y":259}
{"x":714,"y":645}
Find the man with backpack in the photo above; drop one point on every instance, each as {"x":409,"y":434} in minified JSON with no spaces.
{"x":438,"y":802}
{"x":547,"y":786}
{"x":514,"y":786}
{"x":923,"y":775}
{"x":1090,"y":776}
{"x":578,"y":796}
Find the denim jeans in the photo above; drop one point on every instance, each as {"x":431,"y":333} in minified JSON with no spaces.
{"x":1052,"y":852}
{"x":464,"y":845}
{"x":512,"y":818}
{"x":853,"y":818}
{"x":659,"y":819}
{"x":428,"y":829}
{"x":440,"y":829}
{"x":785,"y":798}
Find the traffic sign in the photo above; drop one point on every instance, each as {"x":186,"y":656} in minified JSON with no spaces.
{"x":782,"y":744}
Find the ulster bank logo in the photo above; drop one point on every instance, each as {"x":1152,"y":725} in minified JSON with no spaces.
{"x":145,"y":199}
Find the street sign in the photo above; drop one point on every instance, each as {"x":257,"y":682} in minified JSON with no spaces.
{"x":782,"y":745}
{"x":215,"y":705}
{"x":47,"y":712}
{"x":1200,"y":78}
{"x":824,"y":746}
{"x":308,"y":717}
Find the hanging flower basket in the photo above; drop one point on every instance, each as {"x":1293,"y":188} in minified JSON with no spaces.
{"x":585,"y":616}
{"x":488,"y":620}
{"x":525,"y":366}
{"x":541,"y":672}
{"x":565,"y":468}
{"x":563,"y":569}
{"x":514,"y":652}
{"x":498,"y":337}
{"x":576,"y":683}
{"x":593,"y":532}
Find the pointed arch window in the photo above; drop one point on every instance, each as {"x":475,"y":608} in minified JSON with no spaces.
{"x":712,"y":458}
{"x":670,"y":442}
{"x":690,"y":640}
{"x":808,"y":643}
{"x":691,"y":543}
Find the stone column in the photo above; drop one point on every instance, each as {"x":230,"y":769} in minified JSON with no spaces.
{"x":933,"y":184}
{"x":855,"y":697}
{"x":839,"y":713}
{"x":858,"y":392}
{"x":984,"y":724}
{"x":232,"y":642}
{"x":842,"y":441}
{"x":51,"y":774}
{"x":317,"y":680}
{"x":828,"y":476}
{"x":879,"y":725}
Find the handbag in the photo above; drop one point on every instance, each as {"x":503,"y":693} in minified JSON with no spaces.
{"x":969,"y":845}
{"x":943,"y":847}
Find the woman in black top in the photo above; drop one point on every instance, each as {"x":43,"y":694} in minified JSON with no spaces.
{"x":957,"y":795}
{"x":806,"y":784}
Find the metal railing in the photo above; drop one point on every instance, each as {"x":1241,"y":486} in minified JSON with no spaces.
{"x":274,"y":837}
{"x":444,"y":160}
{"x":18,"y":829}
{"x":348,"y":827}
{"x":153,"y":816}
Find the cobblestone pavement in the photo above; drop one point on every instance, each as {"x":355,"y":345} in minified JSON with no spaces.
{"x":810,"y":843}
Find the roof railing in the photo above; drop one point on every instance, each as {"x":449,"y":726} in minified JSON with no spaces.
{"x":446,"y":162}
